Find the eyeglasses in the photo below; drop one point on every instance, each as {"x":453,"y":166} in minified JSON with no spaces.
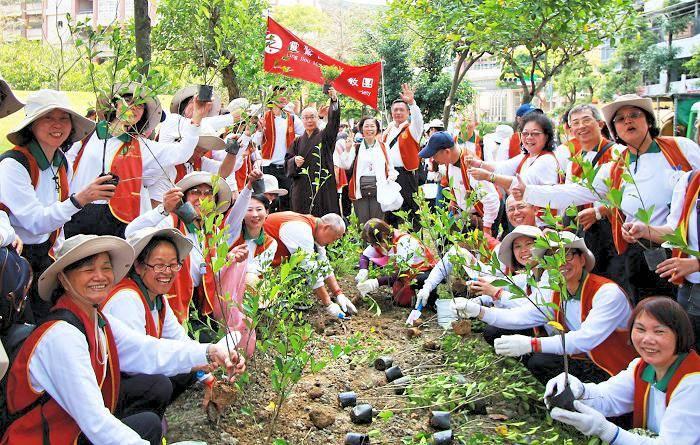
{"x":581,"y":122}
{"x":534,"y":134}
{"x":198,"y":192}
{"x":623,"y":117}
{"x":160,"y":268}
{"x":519,"y":207}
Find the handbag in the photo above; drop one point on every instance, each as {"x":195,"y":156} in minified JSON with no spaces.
{"x":368,"y":186}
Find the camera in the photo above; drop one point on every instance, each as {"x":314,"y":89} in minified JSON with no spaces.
{"x":114,"y":181}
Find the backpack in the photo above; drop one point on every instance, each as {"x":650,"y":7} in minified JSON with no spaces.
{"x":12,"y":341}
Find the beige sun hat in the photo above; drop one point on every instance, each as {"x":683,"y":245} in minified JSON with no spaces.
{"x":238,"y":105}
{"x":78,"y":247}
{"x":42,"y":102}
{"x":152,"y":107}
{"x":631,"y":100}
{"x":185,"y":93}
{"x":8,"y":101}
{"x":505,"y":250}
{"x":569,"y":240}
{"x":272,"y":186}
{"x":209,"y":140}
{"x":140,"y":239}
{"x":223,"y":195}
{"x":435,"y":123}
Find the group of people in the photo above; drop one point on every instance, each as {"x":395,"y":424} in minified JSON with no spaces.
{"x":106,"y":230}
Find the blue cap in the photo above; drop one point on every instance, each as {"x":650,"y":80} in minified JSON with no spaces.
{"x":524,"y":109}
{"x":438,"y":141}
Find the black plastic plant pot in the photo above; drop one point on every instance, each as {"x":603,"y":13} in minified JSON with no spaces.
{"x":440,"y":420}
{"x":361,"y":414}
{"x":654,"y":257}
{"x":401,"y":385}
{"x":356,"y":439}
{"x":443,"y":437}
{"x":258,"y":186}
{"x":186,"y":213}
{"x":326,"y":87}
{"x":346,"y":399}
{"x":393,"y":373}
{"x":204,"y":93}
{"x":563,"y":400}
{"x":114,"y":181}
{"x":383,"y":363}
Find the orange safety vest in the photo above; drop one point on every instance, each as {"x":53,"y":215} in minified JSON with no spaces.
{"x":689,"y":366}
{"x":675,"y":157}
{"x":242,"y":173}
{"x":268,"y":143}
{"x":20,"y":393}
{"x":273,"y":225}
{"x":615,"y":352}
{"x":151,"y":328}
{"x":127,"y":163}
{"x":514,"y":146}
{"x":63,"y":186}
{"x":408,"y":148}
{"x":353,"y":179}
{"x":259,"y":248}
{"x":575,"y":149}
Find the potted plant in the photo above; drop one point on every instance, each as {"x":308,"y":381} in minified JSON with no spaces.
{"x":329,"y":73}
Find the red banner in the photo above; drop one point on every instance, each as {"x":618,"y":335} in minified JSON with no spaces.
{"x":288,"y":55}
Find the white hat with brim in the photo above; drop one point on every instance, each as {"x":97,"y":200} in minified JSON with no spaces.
{"x":185,"y":93}
{"x":43,"y":102}
{"x":209,"y":140}
{"x":626,"y":100}
{"x":502,"y":133}
{"x":435,"y":123}
{"x":505,"y":250}
{"x":272,"y":186}
{"x":569,"y":240}
{"x":152,"y":107}
{"x":238,"y":105}
{"x":8,"y":101}
{"x":140,"y":239}
{"x":78,"y":247}
{"x":223,"y":194}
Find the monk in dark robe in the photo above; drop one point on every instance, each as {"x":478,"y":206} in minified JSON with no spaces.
{"x":309,"y":162}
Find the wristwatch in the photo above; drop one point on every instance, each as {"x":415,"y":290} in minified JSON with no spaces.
{"x":161,"y":210}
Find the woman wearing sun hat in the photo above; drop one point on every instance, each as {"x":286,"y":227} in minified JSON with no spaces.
{"x":73,"y":363}
{"x":35,"y":178}
{"x":120,"y":147}
{"x":8,"y":101}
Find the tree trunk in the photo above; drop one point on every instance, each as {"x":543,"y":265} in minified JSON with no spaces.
{"x":142,"y":34}
{"x":464,"y":62}
{"x":667,"y":87}
{"x":230,"y":82}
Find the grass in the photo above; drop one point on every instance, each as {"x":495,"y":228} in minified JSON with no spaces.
{"x":79,"y":100}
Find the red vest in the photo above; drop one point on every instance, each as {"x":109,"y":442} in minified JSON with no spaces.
{"x":241,"y":174}
{"x":34,"y":172}
{"x":149,"y":324}
{"x":127,"y":163}
{"x":408,"y":148}
{"x":274,"y":223}
{"x":27,"y":430}
{"x":615,"y":352}
{"x":689,"y":200}
{"x":259,"y":249}
{"x":689,"y":366}
{"x":353,"y":179}
{"x":514,"y":146}
{"x":675,"y":157}
{"x":429,"y":259}
{"x":268,"y":144}
{"x":575,"y":149}
{"x":196,"y":166}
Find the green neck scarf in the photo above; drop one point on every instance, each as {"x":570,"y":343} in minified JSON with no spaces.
{"x":41,"y":159}
{"x":649,"y":374}
{"x":156,"y":303}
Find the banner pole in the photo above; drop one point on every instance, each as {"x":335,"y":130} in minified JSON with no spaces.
{"x":386,"y":119}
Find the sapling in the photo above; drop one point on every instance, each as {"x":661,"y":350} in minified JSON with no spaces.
{"x":329,"y":73}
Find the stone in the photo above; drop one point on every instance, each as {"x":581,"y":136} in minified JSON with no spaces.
{"x":322,"y":417}
{"x":413,"y":332}
{"x":315,"y":393}
{"x":430,"y":345}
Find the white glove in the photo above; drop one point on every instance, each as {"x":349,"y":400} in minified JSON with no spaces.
{"x":482,"y":300}
{"x":465,"y":308}
{"x":368,"y":286}
{"x":345,"y":304}
{"x":335,"y":311}
{"x":556,"y":385}
{"x":587,"y":420}
{"x":513,"y":345}
{"x":422,"y":298}
{"x":361,"y":275}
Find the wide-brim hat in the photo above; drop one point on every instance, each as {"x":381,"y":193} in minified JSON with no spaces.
{"x":185,"y":93}
{"x":569,"y":240}
{"x":8,"y":101}
{"x":78,"y":247}
{"x":209,"y":140}
{"x":631,"y":100}
{"x":152,"y":108}
{"x":272,"y":186}
{"x":223,"y":194}
{"x":140,"y":239}
{"x":43,"y":102}
{"x":505,"y":250}
{"x":436,"y":123}
{"x":238,"y":105}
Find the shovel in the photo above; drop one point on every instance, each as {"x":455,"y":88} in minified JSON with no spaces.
{"x":414,"y":315}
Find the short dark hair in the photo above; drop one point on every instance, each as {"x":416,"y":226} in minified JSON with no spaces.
{"x":152,"y":244}
{"x":377,"y":231}
{"x":262,"y":199}
{"x":545,"y":123}
{"x":365,"y":118}
{"x":668,"y":312}
{"x":654,"y":131}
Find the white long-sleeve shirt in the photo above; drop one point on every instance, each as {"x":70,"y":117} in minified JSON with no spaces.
{"x":610,"y":310}
{"x":7,"y":233}
{"x":653,"y":175}
{"x":370,"y":162}
{"x":297,"y":235}
{"x":485,"y":191}
{"x":34,"y":214}
{"x":60,"y":365}
{"x":444,"y":267}
{"x":415,"y":127}
{"x":280,"y":149}
{"x":174,"y":127}
{"x":677,"y":423}
{"x":674,"y":218}
{"x":541,"y":169}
